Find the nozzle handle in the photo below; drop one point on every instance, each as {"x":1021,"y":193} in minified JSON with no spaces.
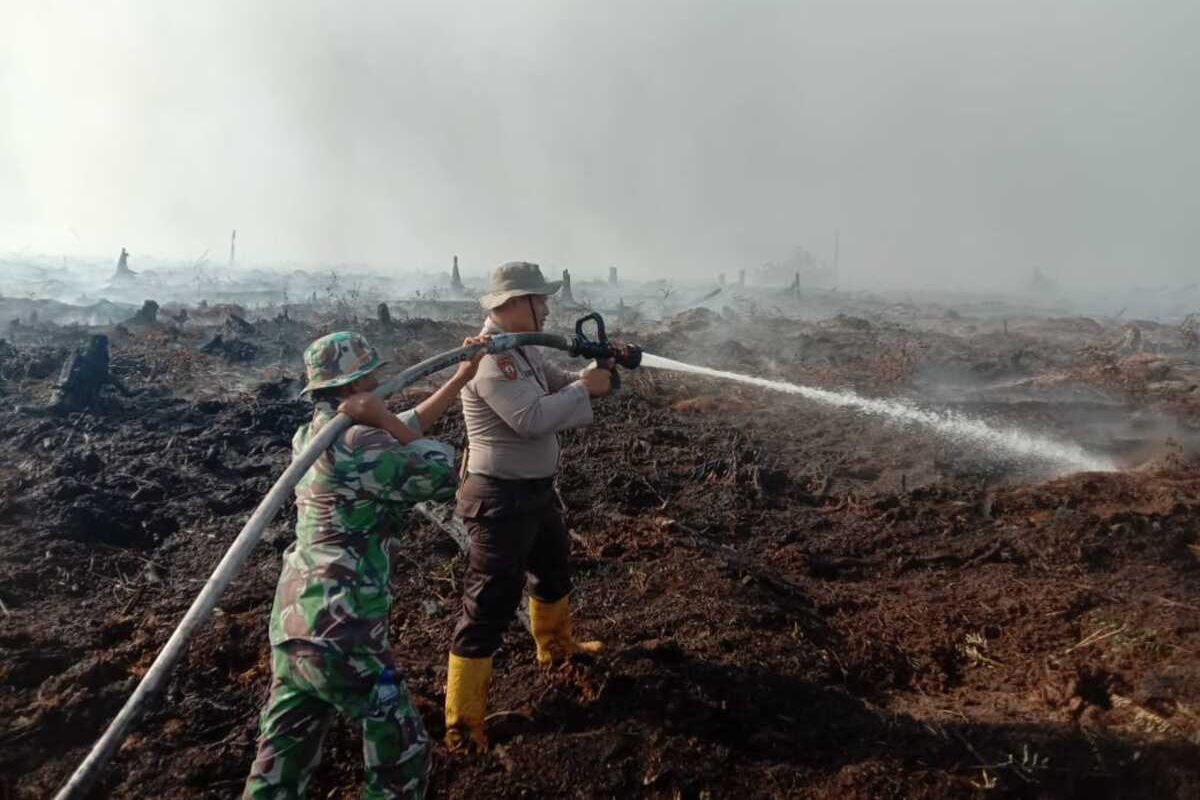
{"x":601,"y":334}
{"x":614,"y":377}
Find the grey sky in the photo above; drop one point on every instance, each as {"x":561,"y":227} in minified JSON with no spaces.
{"x":951,"y":141}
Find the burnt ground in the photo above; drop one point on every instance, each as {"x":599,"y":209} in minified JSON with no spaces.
{"x":798,"y":603}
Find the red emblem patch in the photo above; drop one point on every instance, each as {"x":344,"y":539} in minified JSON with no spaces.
{"x":508,"y":368}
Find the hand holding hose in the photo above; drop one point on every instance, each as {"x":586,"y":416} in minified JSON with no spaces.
{"x":467,"y":369}
{"x":597,"y":380}
{"x":365,"y":409}
{"x":371,"y":410}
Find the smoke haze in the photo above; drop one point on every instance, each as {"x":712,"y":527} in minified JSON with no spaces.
{"x":950,"y":143}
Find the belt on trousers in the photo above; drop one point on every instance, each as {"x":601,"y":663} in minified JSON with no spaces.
{"x":516,"y":483}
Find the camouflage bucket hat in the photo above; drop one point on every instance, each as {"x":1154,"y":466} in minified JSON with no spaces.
{"x":337,"y":359}
{"x":516,"y":279}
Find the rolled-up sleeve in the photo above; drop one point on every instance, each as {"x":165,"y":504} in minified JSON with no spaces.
{"x":531,"y":414}
{"x":411,"y":420}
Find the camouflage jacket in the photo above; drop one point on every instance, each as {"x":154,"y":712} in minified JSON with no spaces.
{"x":333,"y":590}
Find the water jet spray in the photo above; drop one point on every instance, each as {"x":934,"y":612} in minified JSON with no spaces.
{"x":953,"y":425}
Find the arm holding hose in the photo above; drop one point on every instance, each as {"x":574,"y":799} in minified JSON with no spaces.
{"x":525,"y":407}
{"x":368,"y":408}
{"x":558,"y":378}
{"x":431,"y":408}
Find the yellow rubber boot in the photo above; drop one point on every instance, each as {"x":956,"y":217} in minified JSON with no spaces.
{"x":466,"y":702}
{"x":551,"y":627}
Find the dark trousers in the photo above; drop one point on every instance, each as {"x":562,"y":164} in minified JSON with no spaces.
{"x":516,"y":527}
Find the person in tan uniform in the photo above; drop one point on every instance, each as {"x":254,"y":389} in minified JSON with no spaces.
{"x":514,"y":408}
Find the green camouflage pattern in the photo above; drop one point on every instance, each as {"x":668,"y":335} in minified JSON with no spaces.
{"x":333,"y":589}
{"x":337,"y":359}
{"x":329,"y":622}
{"x":309,"y":685}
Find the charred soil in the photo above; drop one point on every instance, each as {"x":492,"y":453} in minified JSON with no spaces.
{"x":796,"y":604}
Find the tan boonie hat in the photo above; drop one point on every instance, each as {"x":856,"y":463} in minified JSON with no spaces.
{"x":516,"y":279}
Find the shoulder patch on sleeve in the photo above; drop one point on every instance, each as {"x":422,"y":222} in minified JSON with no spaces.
{"x":506,"y":365}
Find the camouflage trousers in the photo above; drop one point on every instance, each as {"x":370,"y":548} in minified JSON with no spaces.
{"x":309,"y":685}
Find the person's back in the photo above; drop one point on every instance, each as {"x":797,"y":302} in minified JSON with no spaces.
{"x":334,"y":586}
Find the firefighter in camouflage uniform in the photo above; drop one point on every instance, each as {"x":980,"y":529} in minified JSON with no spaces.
{"x":329,"y":624}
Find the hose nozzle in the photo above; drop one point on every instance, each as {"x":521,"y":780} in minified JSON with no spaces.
{"x":600,"y":348}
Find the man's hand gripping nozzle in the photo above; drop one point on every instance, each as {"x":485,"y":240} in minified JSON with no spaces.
{"x":609,"y":354}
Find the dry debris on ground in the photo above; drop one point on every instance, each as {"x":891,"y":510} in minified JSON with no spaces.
{"x":798,"y":604}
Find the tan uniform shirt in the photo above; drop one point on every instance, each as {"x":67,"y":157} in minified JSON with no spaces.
{"x":514,"y":407}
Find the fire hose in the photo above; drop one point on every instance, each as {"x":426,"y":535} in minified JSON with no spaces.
{"x":600,"y":349}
